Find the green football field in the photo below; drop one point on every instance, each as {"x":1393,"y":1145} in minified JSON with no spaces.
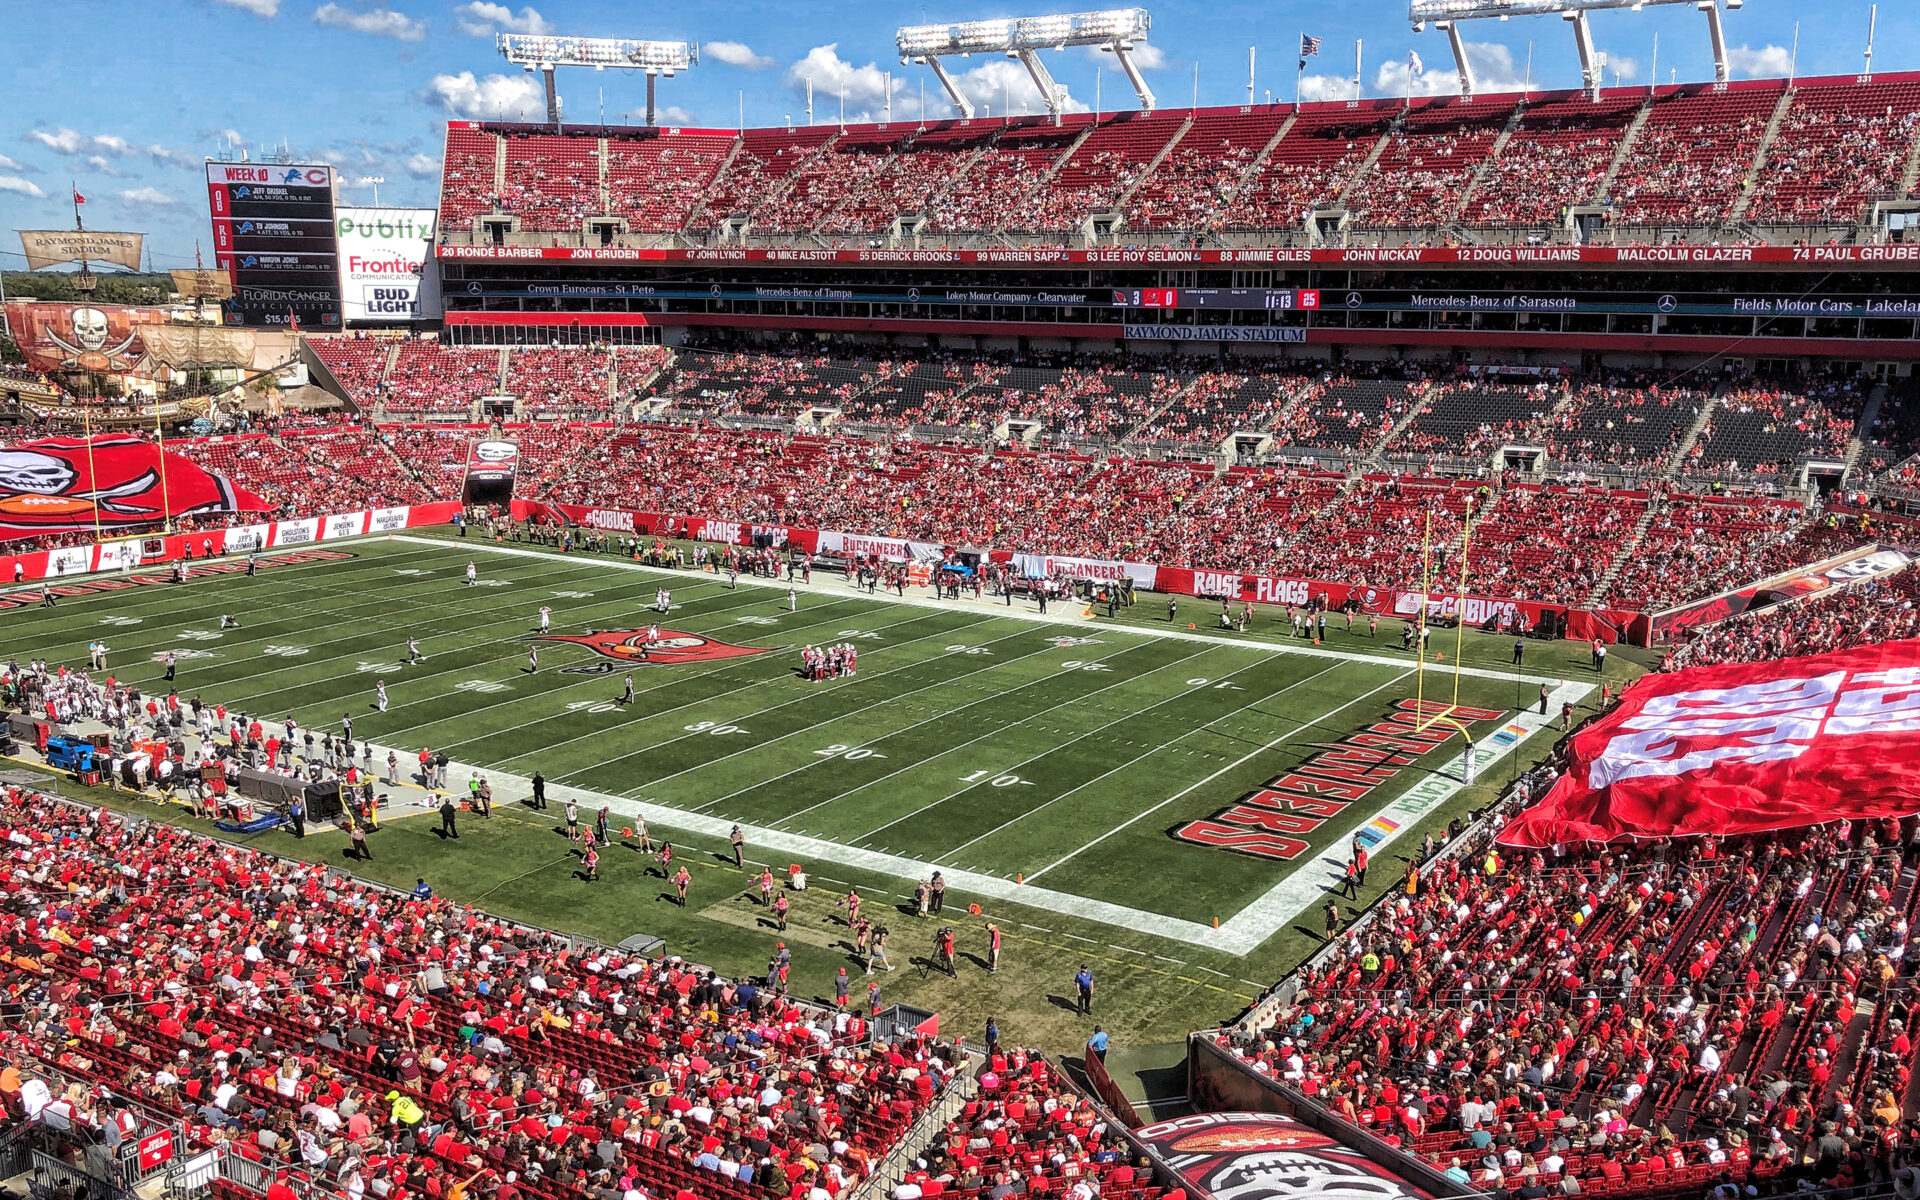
{"x":1042,"y":764}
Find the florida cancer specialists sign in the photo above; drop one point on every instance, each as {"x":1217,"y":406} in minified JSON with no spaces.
{"x":384,"y":254}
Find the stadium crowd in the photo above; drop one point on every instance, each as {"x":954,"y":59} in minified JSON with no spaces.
{"x":374,"y":1042}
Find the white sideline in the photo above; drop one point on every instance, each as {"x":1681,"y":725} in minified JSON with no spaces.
{"x":1238,"y":935}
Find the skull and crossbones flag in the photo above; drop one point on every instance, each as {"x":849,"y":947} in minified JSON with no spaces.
{"x":126,"y":483}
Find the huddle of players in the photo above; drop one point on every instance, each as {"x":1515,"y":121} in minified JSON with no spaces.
{"x":829,"y":663}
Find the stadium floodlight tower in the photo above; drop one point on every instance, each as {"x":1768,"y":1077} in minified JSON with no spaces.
{"x":1115,"y":30}
{"x":1445,"y":15}
{"x":543,"y":53}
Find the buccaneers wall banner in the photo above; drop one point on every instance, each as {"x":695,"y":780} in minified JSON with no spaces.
{"x":56,"y":486}
{"x":1745,"y":748}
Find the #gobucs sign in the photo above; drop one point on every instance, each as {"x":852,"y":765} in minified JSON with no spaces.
{"x":1264,"y":1156}
{"x":50,"y":487}
{"x":631,"y":647}
{"x":1745,"y":748}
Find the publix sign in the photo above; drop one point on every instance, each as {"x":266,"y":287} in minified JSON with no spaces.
{"x":385,"y":272}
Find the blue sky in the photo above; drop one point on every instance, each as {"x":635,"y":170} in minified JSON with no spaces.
{"x":127,"y":98}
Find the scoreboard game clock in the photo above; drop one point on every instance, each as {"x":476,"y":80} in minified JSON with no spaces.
{"x":1269,"y":299}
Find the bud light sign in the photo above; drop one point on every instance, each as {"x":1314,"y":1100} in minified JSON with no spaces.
{"x":386,"y":265}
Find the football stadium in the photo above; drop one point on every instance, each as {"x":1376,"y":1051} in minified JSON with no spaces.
{"x":1360,"y":644}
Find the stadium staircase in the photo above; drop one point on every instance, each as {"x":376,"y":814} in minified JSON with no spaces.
{"x":1628,"y":545}
{"x":644,"y":386}
{"x":1760,"y":152}
{"x":1910,"y":174}
{"x":1373,"y":157}
{"x":1155,"y":415}
{"x":698,"y":209}
{"x":1604,"y":188}
{"x":1258,"y":164}
{"x":1487,"y":163}
{"x":1869,"y":413}
{"x":1692,"y":438}
{"x":961,"y":174}
{"x":1045,"y":179}
{"x":600,"y":161}
{"x":1376,"y":454}
{"x":1153,"y":164}
{"x":803,"y":167}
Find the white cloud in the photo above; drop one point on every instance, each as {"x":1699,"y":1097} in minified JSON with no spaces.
{"x":100,"y":165}
{"x":1145,"y":55}
{"x":1325,"y":87}
{"x":1493,"y":73}
{"x":1001,"y":86}
{"x":481,"y":19}
{"x":147,"y":197}
{"x":997,"y":86}
{"x":259,"y":8}
{"x":737,"y":54}
{"x":60,"y":141}
{"x":1768,"y":62}
{"x":496,"y":97}
{"x":94,"y":148}
{"x":423,"y":166}
{"x":8,"y":164}
{"x":865,"y":88}
{"x":25,"y":187}
{"x":1619,"y":65}
{"x":380,"y":22}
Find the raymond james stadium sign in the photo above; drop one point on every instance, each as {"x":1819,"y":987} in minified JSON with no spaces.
{"x":1215,"y":333}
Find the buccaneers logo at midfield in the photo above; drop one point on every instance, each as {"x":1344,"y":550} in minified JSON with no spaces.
{"x":630,"y":646}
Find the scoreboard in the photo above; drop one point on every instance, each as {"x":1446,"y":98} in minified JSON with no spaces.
{"x":1268,"y":299}
{"x":274,"y":236}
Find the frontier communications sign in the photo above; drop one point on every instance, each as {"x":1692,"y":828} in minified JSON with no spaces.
{"x":384,"y":265}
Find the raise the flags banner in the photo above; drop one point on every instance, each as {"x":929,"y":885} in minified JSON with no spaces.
{"x":1744,"y":748}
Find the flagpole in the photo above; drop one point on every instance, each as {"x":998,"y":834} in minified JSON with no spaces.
{"x":166,"y":505}
{"x":93,"y":479}
{"x":1300,"y":71}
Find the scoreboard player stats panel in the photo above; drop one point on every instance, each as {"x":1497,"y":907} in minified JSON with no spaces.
{"x":274,"y":237}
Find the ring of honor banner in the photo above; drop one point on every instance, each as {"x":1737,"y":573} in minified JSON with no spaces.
{"x":123,"y":482}
{"x":1745,"y":748}
{"x":274,"y":237}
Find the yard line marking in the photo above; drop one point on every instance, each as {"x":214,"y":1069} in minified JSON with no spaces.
{"x":932,"y":804}
{"x":1128,"y":949}
{"x":1076,"y":937}
{"x":943,"y":713}
{"x":1176,"y":962}
{"x":454,"y":615}
{"x":669,"y":681}
{"x":1041,"y":928}
{"x":652,"y":783}
{"x":1018,"y":614}
{"x":478,"y":668}
{"x":1211,"y":971}
{"x":1138,"y":757}
{"x":1249,"y":756}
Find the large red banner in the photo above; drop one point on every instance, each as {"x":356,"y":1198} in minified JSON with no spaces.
{"x":122,"y":482}
{"x":1744,"y":748}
